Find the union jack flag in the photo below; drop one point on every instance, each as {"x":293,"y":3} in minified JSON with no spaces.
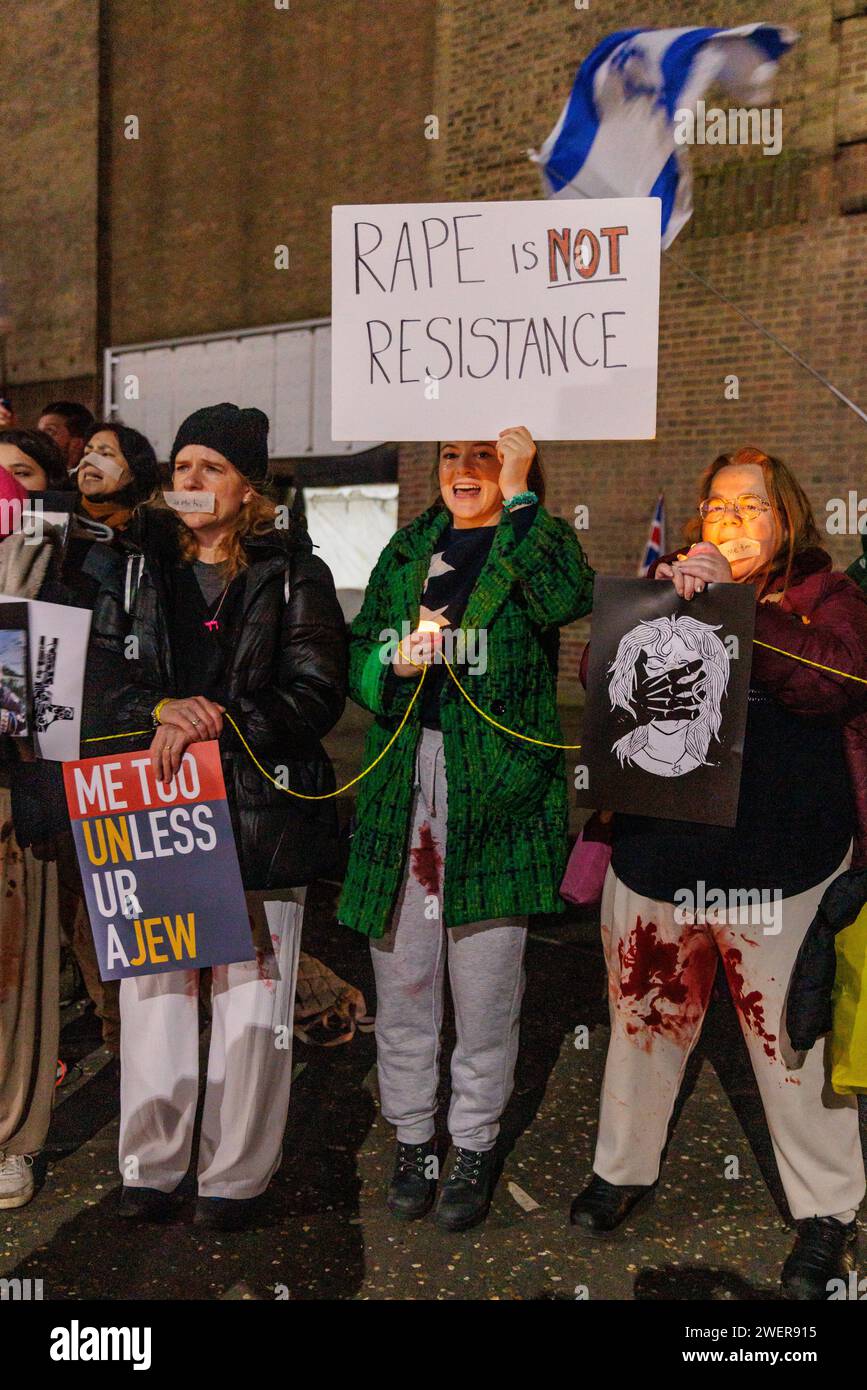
{"x":656,"y":540}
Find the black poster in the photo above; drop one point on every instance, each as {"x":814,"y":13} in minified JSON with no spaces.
{"x":667,"y":689}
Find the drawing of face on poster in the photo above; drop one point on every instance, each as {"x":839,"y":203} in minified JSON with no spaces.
{"x":670,"y":675}
{"x":663,"y":726}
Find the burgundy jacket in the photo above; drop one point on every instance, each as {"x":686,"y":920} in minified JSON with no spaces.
{"x":823,"y":617}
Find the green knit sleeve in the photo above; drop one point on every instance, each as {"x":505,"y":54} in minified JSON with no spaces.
{"x":553,"y":571}
{"x":372,"y":682}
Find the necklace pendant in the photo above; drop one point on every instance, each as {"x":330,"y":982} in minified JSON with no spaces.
{"x":212,"y":625}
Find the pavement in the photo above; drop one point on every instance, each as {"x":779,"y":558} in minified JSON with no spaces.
{"x":715,"y":1229}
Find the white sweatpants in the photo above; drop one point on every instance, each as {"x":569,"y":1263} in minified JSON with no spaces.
{"x":660,"y":976}
{"x":486,"y":974}
{"x":249,"y":1068}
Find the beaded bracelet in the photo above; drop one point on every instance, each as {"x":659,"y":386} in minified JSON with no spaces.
{"x":520,"y":499}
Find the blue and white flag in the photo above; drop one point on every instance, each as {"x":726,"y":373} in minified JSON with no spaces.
{"x":616,"y":134}
{"x":656,"y":539}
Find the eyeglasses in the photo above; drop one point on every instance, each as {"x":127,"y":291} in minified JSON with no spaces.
{"x":747,"y":507}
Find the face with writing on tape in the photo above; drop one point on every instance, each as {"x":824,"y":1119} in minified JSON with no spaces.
{"x":469,"y":471}
{"x":199,"y":469}
{"x":750,"y":537}
{"x":103,"y":468}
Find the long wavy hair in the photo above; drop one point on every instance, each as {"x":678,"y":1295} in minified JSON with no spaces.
{"x":535,"y":479}
{"x":794,"y":523}
{"x":655,"y":637}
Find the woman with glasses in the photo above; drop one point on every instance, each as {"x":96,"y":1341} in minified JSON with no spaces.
{"x":803,"y":776}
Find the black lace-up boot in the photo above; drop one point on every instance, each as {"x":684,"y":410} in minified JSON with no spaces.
{"x":824,"y":1249}
{"x":466,"y":1197}
{"x":414,"y":1180}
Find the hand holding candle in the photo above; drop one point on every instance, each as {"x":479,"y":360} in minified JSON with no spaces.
{"x":418,"y":649}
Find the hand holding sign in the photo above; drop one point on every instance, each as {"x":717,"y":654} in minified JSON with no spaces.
{"x":704,"y":564}
{"x":183,"y":722}
{"x":516,"y":451}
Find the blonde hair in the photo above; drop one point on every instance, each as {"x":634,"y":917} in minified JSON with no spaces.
{"x":255,"y":518}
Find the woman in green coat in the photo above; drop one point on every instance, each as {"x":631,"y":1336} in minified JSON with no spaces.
{"x":461,"y":828}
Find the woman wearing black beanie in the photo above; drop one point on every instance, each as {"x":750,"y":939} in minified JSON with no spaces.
{"x":230,"y":615}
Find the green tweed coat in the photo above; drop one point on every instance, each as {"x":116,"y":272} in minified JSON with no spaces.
{"x":507,"y":800}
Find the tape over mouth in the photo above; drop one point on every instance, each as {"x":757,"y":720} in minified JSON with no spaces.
{"x":742,"y":548}
{"x":190,"y":502}
{"x":106,"y":466}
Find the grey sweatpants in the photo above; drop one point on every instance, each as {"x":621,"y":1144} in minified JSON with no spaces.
{"x":486,"y":973}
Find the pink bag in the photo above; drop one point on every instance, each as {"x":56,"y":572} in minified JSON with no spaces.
{"x":588,"y":864}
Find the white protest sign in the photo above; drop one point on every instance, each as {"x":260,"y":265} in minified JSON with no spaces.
{"x":58,"y":655}
{"x":456,"y":320}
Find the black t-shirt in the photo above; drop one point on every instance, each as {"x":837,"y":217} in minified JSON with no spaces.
{"x":795,"y":817}
{"x":201,"y":653}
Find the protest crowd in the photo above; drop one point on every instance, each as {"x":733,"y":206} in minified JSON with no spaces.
{"x":175,"y":656}
{"x":214,"y":623}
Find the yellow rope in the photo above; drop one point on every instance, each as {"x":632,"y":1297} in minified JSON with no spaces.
{"x":818,"y":665}
{"x":526,"y":737}
{"x":570,"y":747}
{"x":302,"y":796}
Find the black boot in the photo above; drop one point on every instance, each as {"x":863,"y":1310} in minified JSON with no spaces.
{"x":225,"y":1213}
{"x":147,"y":1204}
{"x":466,"y":1198}
{"x":602,"y":1206}
{"x":411,"y":1191}
{"x":824,"y":1249}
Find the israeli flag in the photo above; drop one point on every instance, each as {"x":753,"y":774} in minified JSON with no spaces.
{"x":615,"y":135}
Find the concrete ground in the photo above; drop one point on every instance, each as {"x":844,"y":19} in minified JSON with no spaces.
{"x":324,"y":1231}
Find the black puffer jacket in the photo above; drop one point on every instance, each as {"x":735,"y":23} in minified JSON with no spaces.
{"x":285,"y":688}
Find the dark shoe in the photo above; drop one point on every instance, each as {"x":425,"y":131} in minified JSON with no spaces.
{"x":824,"y":1249}
{"x":466,"y":1198}
{"x":411,"y":1192}
{"x":224,"y":1213}
{"x":602,"y":1205}
{"x":147,"y":1204}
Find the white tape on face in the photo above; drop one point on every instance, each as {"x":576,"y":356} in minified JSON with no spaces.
{"x":190,"y":501}
{"x":742,"y":548}
{"x":106,"y":466}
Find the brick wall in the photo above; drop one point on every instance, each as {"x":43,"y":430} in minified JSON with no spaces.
{"x":251,"y":125}
{"x":48,"y":207}
{"x":768,"y":233}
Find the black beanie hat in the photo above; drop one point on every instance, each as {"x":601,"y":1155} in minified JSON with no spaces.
{"x":241,"y":436}
{"x":139,"y":454}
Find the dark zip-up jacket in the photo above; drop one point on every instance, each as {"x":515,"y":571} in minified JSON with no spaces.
{"x":285,"y":687}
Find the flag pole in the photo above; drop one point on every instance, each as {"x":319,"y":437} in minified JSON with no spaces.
{"x":682,"y":265}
